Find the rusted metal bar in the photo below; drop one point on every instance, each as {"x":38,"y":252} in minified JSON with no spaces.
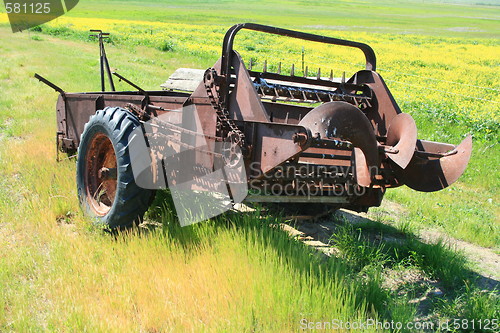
{"x":103,"y":59}
{"x":50,"y":84}
{"x":297,"y":199}
{"x":227,"y":48}
{"x":122,"y":78}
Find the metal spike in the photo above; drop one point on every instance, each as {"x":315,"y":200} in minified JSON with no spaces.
{"x":303,"y":53}
{"x":343,"y":77}
{"x":356,"y":101}
{"x":318,"y":76}
{"x":264,"y":68}
{"x":331,"y":75}
{"x":279,"y":68}
{"x":292,"y":72}
{"x":305,"y":72}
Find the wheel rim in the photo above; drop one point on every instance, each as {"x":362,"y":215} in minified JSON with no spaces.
{"x":100,"y":174}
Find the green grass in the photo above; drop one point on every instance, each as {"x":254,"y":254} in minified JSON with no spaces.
{"x":473,"y":305}
{"x":371,"y":254}
{"x":59,"y":273}
{"x":437,"y":260}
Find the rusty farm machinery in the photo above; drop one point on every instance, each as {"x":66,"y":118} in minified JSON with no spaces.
{"x":247,"y":135}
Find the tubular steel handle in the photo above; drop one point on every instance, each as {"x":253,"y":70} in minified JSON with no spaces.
{"x":227,"y":47}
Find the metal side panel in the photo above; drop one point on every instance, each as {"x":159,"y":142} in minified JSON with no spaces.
{"x":73,"y":112}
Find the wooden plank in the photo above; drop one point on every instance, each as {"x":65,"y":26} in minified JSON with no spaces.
{"x":184,"y":79}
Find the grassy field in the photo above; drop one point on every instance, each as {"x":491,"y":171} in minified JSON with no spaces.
{"x":241,"y":273}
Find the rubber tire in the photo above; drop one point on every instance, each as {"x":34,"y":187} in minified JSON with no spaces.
{"x":131,"y":201}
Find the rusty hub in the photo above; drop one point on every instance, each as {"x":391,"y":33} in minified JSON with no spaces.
{"x":100,"y":174}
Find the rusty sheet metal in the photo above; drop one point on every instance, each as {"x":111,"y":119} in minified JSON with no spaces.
{"x":244,"y":103}
{"x":402,"y":136}
{"x":384,"y":107}
{"x":274,"y":144}
{"x":427,"y":172}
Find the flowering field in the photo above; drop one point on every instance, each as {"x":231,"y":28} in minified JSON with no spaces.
{"x":448,"y":79}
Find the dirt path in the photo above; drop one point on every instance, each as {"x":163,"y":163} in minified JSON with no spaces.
{"x":483,"y":261}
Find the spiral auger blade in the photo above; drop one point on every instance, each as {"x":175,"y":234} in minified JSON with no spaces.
{"x":402,"y":138}
{"x":434,"y":165}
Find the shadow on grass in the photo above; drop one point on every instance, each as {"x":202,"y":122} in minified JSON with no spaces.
{"x":432,"y":274}
{"x":366,"y":251}
{"x":266,"y":230}
{"x":438,"y":259}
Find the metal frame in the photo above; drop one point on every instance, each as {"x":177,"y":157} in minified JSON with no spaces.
{"x":227,"y":47}
{"x":358,"y":126}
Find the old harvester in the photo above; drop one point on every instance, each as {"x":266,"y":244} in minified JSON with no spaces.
{"x":292,"y":139}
